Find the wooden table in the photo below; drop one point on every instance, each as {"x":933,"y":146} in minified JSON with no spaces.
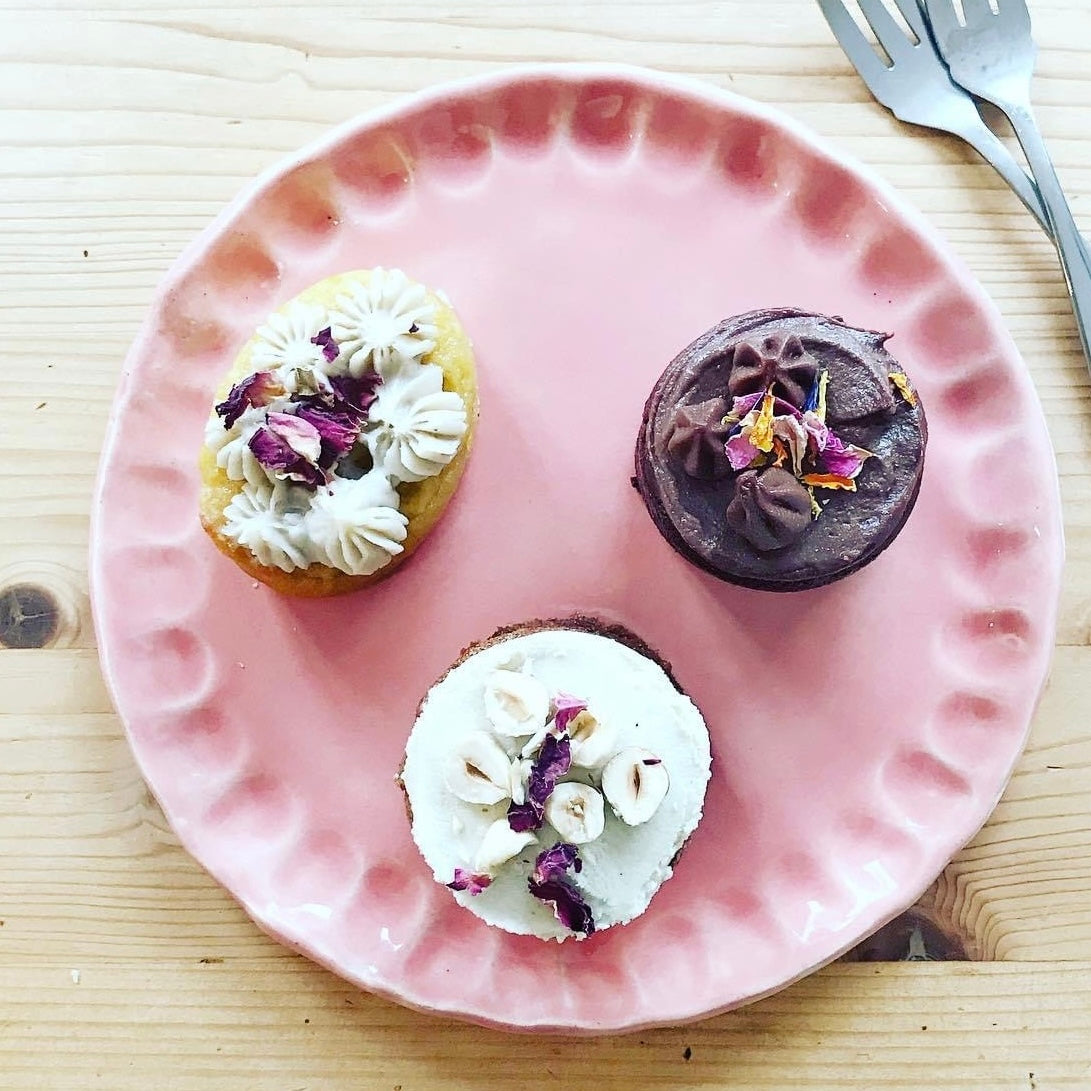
{"x":125,"y":126}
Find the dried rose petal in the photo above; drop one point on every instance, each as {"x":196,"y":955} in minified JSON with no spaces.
{"x":740,"y":452}
{"x":465,"y":880}
{"x":830,"y":481}
{"x":357,"y":394}
{"x":818,"y":434}
{"x":299,"y":434}
{"x":255,"y":390}
{"x":324,"y":340}
{"x":810,"y":403}
{"x":901,"y":381}
{"x":554,"y":759}
{"x":841,"y":459}
{"x":526,"y":816}
{"x":568,"y":904}
{"x":550,"y":884}
{"x":553,"y":863}
{"x":761,"y":431}
{"x":566,"y":707}
{"x":794,"y":436}
{"x":740,"y":407}
{"x":338,"y":428}
{"x":274,"y":449}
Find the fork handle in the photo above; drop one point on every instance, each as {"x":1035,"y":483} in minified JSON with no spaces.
{"x":1065,"y":232}
{"x":989,"y":146}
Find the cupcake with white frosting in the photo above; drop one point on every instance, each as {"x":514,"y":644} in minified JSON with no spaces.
{"x":553,"y":776}
{"x":340,"y":435}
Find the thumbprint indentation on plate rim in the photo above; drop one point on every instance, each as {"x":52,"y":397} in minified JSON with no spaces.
{"x":454,"y":146}
{"x":299,"y":211}
{"x":201,"y":741}
{"x":528,"y":118}
{"x":240,"y":267}
{"x":375,"y":167}
{"x":258,"y":812}
{"x":168,"y":668}
{"x":322,"y":868}
{"x":922,"y":787}
{"x":608,"y":119}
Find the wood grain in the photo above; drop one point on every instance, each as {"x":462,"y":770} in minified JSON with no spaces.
{"x":125,"y":126}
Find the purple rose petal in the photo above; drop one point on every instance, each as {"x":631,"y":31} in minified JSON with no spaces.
{"x":357,"y":394}
{"x":324,"y":340}
{"x":338,"y":428}
{"x":566,"y":707}
{"x":553,"y":863}
{"x":549,"y":883}
{"x":553,"y":760}
{"x":254,"y":391}
{"x":568,"y":904}
{"x":740,"y":452}
{"x":840,"y":458}
{"x":742,"y":405}
{"x":278,"y":445}
{"x":525,"y":817}
{"x":299,"y":434}
{"x":466,"y":880}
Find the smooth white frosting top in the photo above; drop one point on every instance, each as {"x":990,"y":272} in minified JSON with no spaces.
{"x":623,"y":867}
{"x":413,"y":430}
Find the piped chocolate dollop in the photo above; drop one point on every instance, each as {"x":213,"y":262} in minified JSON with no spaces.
{"x":697,"y":436}
{"x":779,"y":363}
{"x":770,"y":508}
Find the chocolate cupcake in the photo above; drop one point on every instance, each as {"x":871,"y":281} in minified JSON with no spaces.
{"x":781,"y":450}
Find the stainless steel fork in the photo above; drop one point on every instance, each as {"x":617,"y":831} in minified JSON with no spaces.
{"x":991,"y":54}
{"x":917,"y":87}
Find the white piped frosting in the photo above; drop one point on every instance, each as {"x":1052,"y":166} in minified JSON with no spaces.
{"x":265,"y":519}
{"x":232,"y":448}
{"x":285,"y":343}
{"x":355,"y":526}
{"x":383,"y":323}
{"x":419,"y":424}
{"x":412,"y":431}
{"x":623,"y":865}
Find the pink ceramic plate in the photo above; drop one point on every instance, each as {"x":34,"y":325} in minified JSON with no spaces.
{"x":588,"y":222}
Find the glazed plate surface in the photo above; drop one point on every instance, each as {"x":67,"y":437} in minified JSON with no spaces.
{"x":587,"y":222}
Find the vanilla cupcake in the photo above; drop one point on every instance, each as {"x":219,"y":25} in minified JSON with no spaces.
{"x":340,"y":434}
{"x":553,"y":776}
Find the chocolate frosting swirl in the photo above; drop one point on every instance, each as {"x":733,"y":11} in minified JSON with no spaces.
{"x":697,"y":436}
{"x":770,"y":508}
{"x":778,"y":361}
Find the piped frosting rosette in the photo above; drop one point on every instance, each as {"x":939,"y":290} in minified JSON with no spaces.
{"x":341,"y":407}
